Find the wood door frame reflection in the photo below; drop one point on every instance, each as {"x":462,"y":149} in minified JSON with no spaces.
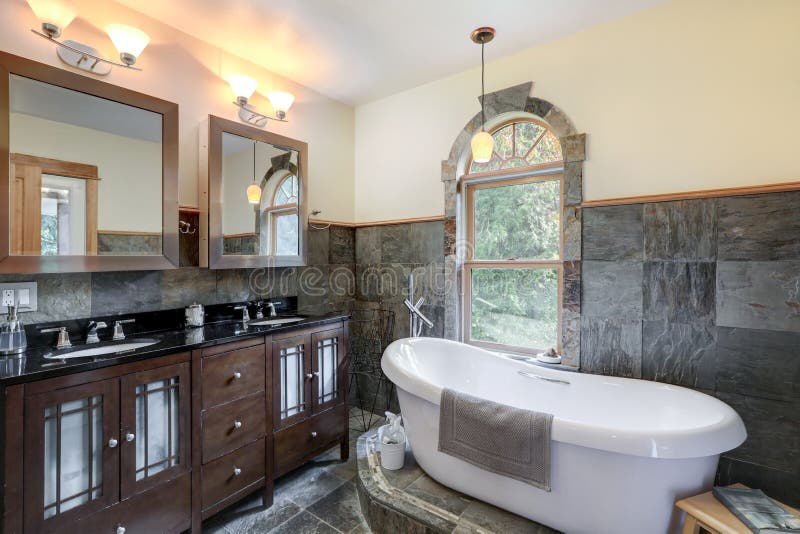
{"x":56,"y":167}
{"x":11,"y":64}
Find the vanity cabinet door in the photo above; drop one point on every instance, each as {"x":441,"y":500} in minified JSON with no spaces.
{"x":329,"y":371}
{"x":71,"y":454}
{"x":154,"y":437}
{"x":292,"y":373}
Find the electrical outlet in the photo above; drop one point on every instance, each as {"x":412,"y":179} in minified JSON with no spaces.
{"x":22,"y":294}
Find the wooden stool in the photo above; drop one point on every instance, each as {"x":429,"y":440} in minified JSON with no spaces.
{"x":706,"y":511}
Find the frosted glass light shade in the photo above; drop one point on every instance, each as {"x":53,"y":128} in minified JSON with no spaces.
{"x":57,"y":12}
{"x":482,"y":147}
{"x":281,"y":102}
{"x":129,"y":41}
{"x":242,"y":86}
{"x":253,"y":194}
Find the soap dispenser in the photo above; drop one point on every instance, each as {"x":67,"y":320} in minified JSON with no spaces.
{"x":12,"y":334}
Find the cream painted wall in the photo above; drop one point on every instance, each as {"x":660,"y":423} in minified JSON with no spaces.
{"x":129,"y":192}
{"x":692,"y":94}
{"x":182,"y":69}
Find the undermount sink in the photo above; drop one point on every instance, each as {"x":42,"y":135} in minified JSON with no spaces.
{"x":275,"y":321}
{"x":115,"y":348}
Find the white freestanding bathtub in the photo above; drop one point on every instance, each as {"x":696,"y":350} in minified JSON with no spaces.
{"x":622,"y":452}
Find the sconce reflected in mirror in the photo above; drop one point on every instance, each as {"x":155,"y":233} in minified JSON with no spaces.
{"x":243,"y":88}
{"x":56,"y":15}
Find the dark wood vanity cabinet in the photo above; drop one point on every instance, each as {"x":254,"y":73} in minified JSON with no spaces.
{"x":310,"y":394}
{"x":161,"y":444}
{"x":233,"y":414}
{"x":95,"y":452}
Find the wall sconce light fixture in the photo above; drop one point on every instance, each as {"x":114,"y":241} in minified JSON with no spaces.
{"x":56,"y":15}
{"x":243,"y":88}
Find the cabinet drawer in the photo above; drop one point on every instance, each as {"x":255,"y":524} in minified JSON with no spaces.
{"x":220,"y":480}
{"x":294,"y":444}
{"x":220,"y":372}
{"x":230,"y":426}
{"x":164,"y":508}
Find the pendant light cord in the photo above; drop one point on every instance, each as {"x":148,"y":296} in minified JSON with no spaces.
{"x":483,"y":92}
{"x":254,"y":162}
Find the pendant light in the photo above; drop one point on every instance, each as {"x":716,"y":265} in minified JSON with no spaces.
{"x":482,"y":142}
{"x":254,"y":190}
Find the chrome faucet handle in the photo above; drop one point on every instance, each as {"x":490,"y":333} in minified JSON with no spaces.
{"x":63,"y":336}
{"x":272,"y":312}
{"x":91,"y":331}
{"x":259,"y":310}
{"x":119,"y":333}
{"x":245,"y":312}
{"x":414,"y":310}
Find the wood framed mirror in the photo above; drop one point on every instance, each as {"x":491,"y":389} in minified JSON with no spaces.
{"x":91,"y":175}
{"x":252,"y":197}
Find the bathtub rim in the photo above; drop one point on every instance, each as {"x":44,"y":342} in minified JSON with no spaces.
{"x":708,"y":440}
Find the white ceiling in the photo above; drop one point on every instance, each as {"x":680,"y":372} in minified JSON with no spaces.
{"x":356,"y":51}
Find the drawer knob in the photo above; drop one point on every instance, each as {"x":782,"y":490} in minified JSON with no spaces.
{"x":237,"y":471}
{"x":237,"y":424}
{"x":112,"y":443}
{"x":310,"y":376}
{"x":313,"y":434}
{"x":130,"y":436}
{"x":120,"y":529}
{"x":237,"y":375}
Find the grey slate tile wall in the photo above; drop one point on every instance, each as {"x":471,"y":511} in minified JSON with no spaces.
{"x":705,"y":294}
{"x":384,"y":257}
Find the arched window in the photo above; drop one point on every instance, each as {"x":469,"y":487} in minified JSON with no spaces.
{"x":282,"y":217}
{"x":512,"y":261}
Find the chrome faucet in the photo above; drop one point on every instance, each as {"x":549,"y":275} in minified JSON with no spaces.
{"x":416,"y":318}
{"x":271,"y":306}
{"x":63,"y":336}
{"x":245,"y":312}
{"x":91,"y":331}
{"x":119,"y":333}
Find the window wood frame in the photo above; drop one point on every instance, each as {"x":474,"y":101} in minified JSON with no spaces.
{"x":474,"y":182}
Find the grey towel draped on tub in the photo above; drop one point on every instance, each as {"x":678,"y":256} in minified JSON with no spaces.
{"x":507,"y":441}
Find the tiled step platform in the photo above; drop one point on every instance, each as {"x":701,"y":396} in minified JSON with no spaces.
{"x":410,"y":502}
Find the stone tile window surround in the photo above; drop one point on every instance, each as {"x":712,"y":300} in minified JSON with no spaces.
{"x":515,"y":103}
{"x":705,"y":293}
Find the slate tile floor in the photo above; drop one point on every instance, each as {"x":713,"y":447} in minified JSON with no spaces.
{"x":318,"y":498}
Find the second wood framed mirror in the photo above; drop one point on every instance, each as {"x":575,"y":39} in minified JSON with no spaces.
{"x":253,"y":190}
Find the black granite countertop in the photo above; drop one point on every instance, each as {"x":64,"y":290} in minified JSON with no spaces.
{"x":42,"y":362}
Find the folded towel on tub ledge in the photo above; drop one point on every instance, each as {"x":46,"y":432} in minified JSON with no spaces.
{"x":504,"y":440}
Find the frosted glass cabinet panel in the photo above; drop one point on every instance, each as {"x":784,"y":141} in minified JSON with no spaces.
{"x":327,"y":368}
{"x":293,"y":372}
{"x":155,"y":407}
{"x":72,"y":451}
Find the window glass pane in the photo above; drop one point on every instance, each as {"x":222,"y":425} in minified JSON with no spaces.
{"x":527,"y":133}
{"x":547,"y":150}
{"x":515,"y":307}
{"x":517,"y":221}
{"x":286,"y":234}
{"x":504,"y":141}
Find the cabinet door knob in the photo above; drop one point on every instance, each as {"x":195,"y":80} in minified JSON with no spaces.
{"x":313,"y":434}
{"x":130,"y":436}
{"x":120,"y":530}
{"x":113,"y":443}
{"x":237,"y":375}
{"x":237,"y":471}
{"x":315,"y":373}
{"x":310,"y":376}
{"x":237,"y":424}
